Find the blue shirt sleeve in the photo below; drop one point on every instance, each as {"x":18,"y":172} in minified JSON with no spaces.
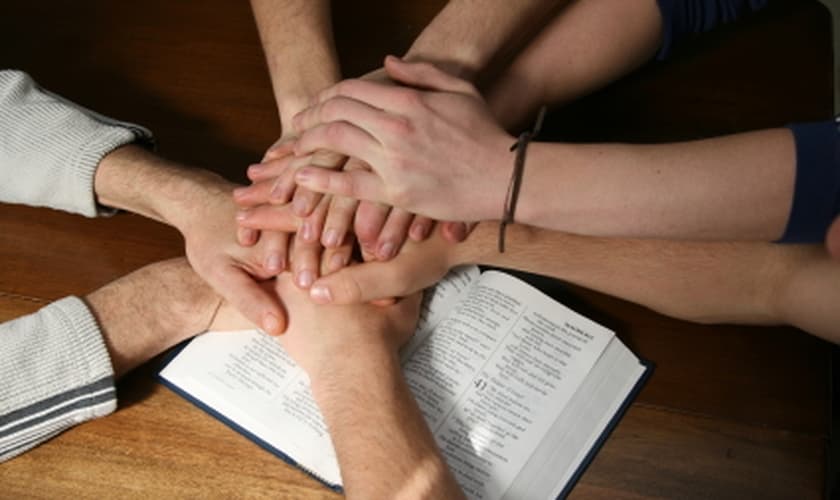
{"x":816,"y":196}
{"x":682,"y":18}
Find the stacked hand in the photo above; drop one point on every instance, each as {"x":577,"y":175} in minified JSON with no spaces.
{"x":275,"y":206}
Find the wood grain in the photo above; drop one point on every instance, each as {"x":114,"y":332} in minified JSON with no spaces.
{"x":731,"y":412}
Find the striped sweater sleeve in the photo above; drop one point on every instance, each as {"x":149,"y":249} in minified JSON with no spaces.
{"x":55,"y":372}
{"x":50,"y":147}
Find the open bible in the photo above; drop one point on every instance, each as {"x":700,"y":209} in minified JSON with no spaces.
{"x":518,"y":390}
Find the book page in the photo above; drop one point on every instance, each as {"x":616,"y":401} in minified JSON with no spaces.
{"x":496,"y":373}
{"x":250,"y":379}
{"x":439,"y":301}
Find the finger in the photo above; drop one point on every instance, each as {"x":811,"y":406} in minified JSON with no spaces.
{"x":275,"y":248}
{"x":255,"y":303}
{"x":268,"y":218}
{"x":338,"y":221}
{"x":337,"y":258}
{"x":427,"y":76}
{"x":456,"y":232}
{"x":282,"y":147}
{"x":304,"y":201}
{"x":385,"y":96}
{"x":393,"y":234}
{"x":340,"y":137}
{"x":312,"y":226}
{"x":269,"y":169}
{"x":341,"y":108}
{"x":305,"y":262}
{"x":357,"y":184}
{"x":370,"y":218}
{"x":255,"y":194}
{"x":421,"y":227}
{"x":247,"y":237}
{"x":372,"y":281}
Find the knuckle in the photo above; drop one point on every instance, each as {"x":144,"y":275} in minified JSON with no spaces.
{"x":334,"y":131}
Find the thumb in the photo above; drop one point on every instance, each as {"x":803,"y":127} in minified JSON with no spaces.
{"x":254,"y":302}
{"x":425,"y":75}
{"x":367,"y":282}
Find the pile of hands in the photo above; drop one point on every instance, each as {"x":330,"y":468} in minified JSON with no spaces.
{"x":348,"y":202}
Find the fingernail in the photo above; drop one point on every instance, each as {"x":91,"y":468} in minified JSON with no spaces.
{"x":306,"y":232}
{"x":337,"y":261}
{"x":302,"y":176}
{"x":331,"y":238}
{"x":299,"y":207}
{"x":305,"y":278}
{"x":256,"y":168}
{"x":320,"y":294}
{"x":270,"y":324}
{"x":418,"y":232}
{"x":239,"y":192}
{"x":276,"y":191}
{"x":274,"y":264}
{"x":242,"y":215}
{"x":386,"y":250}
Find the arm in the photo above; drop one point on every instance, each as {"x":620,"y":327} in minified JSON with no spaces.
{"x":199,"y":204}
{"x":467,"y":37}
{"x":298,"y":43}
{"x":715,"y":282}
{"x":383,"y":445}
{"x":439,"y":153}
{"x":594,"y":42}
{"x":58,"y":365}
{"x":55,"y":153}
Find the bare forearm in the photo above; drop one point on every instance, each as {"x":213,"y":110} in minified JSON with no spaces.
{"x":384,"y":447}
{"x":298,"y":43}
{"x":468,"y":35}
{"x":714,"y":282}
{"x":131,"y":178}
{"x":737,"y":187}
{"x":148,"y":311}
{"x":589,"y":44}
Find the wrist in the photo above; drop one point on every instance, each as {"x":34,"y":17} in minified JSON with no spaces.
{"x":496,"y":175}
{"x":186,"y":190}
{"x":351,"y":365}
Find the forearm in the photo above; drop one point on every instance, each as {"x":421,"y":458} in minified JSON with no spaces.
{"x":133,"y":179}
{"x":384,"y":447}
{"x":737,"y":187}
{"x":150,"y":310}
{"x":299,"y":48}
{"x":714,"y":282}
{"x":587,"y":45}
{"x":469,"y":35}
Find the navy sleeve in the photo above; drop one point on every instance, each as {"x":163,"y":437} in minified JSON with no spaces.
{"x":682,"y":18}
{"x":816,"y":196}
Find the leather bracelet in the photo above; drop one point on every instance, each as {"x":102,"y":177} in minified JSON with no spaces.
{"x":521,"y":147}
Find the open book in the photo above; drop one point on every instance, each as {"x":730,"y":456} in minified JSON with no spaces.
{"x":518,"y":390}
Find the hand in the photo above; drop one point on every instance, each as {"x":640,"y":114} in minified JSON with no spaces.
{"x":411,"y":139}
{"x":205,"y":215}
{"x":323,"y":336}
{"x":418,"y":266}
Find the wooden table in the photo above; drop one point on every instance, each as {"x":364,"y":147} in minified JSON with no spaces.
{"x":731,"y":412}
